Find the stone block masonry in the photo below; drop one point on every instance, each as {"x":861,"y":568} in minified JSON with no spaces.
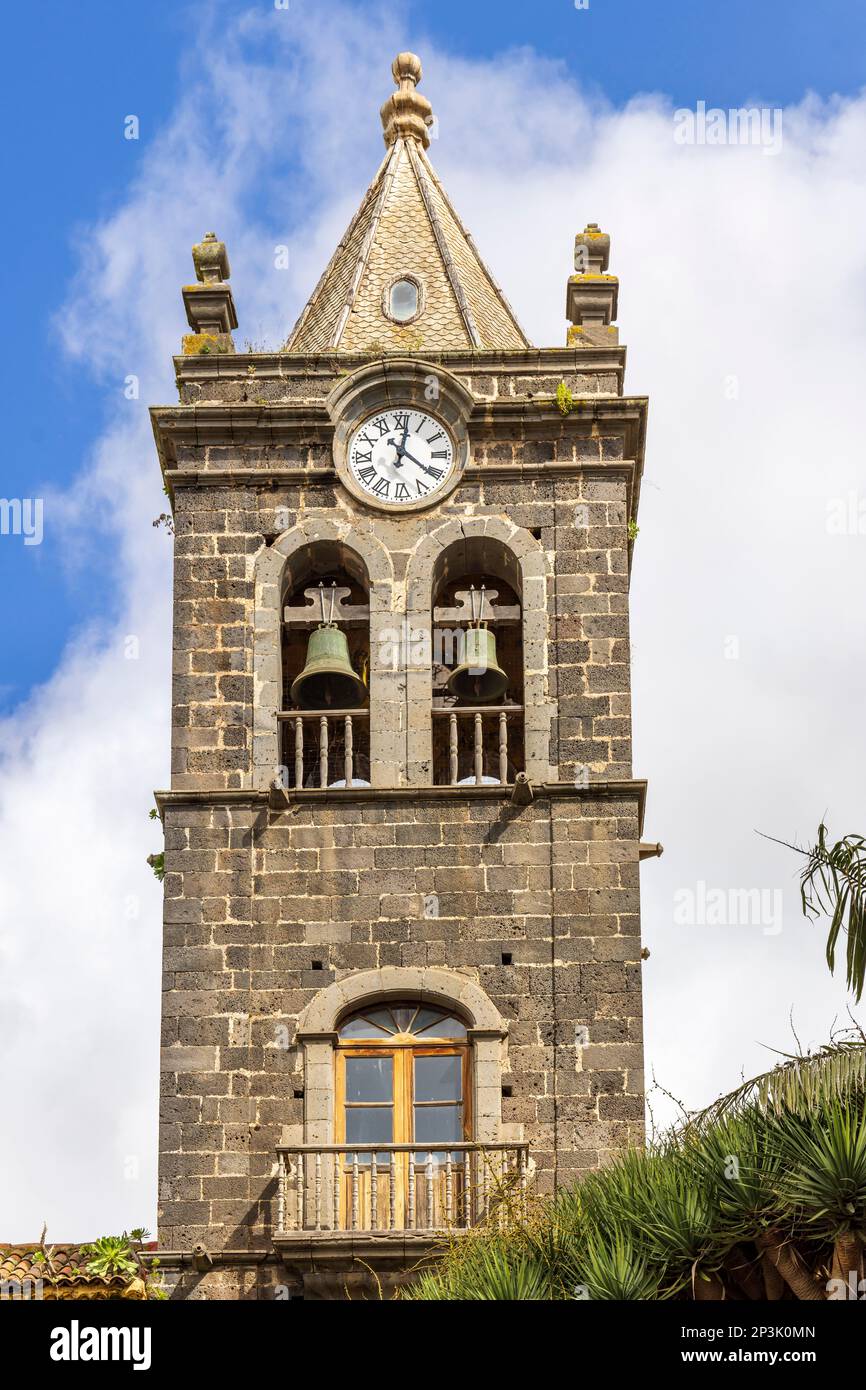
{"x":259,"y":919}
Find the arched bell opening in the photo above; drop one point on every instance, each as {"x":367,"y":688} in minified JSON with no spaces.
{"x":325,"y":668}
{"x":477,"y":693}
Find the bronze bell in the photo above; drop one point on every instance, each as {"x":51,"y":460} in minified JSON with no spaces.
{"x":478,"y":679}
{"x":327,"y":680}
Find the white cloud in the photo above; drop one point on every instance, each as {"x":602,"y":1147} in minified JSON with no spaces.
{"x":733,"y":265}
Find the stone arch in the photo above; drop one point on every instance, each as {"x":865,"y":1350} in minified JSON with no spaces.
{"x":392,"y":982}
{"x":531,"y":564}
{"x":318,"y":1023}
{"x":355,"y":538}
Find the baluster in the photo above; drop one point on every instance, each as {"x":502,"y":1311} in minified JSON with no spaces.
{"x":374,"y":1194}
{"x":468,"y":1194}
{"x":452,"y":744}
{"x":300,"y":1192}
{"x":299,"y":753}
{"x":354,"y":1192}
{"x":503,"y":747}
{"x":449,"y":1191}
{"x":318,"y":1197}
{"x":479,"y":749}
{"x":482,"y":1186}
{"x":338,"y":1159}
{"x":411,"y":1219}
{"x":430,"y":1221}
{"x":392,"y":1191}
{"x":323,"y":751}
{"x":500,"y":1185}
{"x":281,"y":1192}
{"x":521,"y":1169}
{"x":349,"y":762}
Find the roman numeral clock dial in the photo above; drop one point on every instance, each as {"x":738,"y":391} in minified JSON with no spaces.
{"x":401,"y":458}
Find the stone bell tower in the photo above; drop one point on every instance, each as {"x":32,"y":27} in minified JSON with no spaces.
{"x":402,"y":937}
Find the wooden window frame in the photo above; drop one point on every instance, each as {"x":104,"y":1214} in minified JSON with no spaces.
{"x":403,"y":1049}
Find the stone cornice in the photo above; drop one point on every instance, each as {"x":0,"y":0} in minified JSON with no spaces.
{"x":284,"y":365}
{"x":627,"y":788}
{"x":198,"y":426}
{"x":280,"y":420}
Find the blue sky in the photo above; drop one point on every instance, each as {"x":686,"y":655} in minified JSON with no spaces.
{"x":80,"y":69}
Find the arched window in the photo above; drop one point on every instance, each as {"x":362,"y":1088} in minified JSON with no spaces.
{"x":403,"y":1079}
{"x":325,"y":668}
{"x":477,"y":691}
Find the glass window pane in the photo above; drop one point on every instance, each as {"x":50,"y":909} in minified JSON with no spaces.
{"x":404,"y":300}
{"x":370,"y":1125}
{"x":439,"y":1027}
{"x":439,"y":1123}
{"x":438,"y":1078}
{"x":403,"y":1018}
{"x":362,"y":1028}
{"x":369,"y":1079}
{"x":382,"y":1019}
{"x":425,"y":1018}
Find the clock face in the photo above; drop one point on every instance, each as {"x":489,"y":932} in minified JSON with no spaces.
{"x":402,"y":457}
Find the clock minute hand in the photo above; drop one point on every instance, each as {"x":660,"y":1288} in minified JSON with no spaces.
{"x":425,"y":466}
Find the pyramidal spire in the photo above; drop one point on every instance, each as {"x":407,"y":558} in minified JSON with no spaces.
{"x":406,"y":275}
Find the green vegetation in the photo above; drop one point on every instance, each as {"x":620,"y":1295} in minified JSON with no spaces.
{"x":157,"y":863}
{"x":833,"y":884}
{"x":762,"y":1196}
{"x":564,"y":399}
{"x":110,"y":1256}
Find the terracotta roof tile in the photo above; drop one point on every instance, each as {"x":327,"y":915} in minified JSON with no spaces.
{"x":63,"y":1273}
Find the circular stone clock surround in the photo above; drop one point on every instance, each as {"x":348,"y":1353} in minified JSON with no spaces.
{"x":397,"y":384}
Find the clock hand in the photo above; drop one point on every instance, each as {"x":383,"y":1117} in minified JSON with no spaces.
{"x":426,"y":467}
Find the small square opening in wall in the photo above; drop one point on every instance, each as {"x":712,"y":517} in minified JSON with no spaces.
{"x":318,"y":965}
{"x":536,"y":532}
{"x":298,"y":1093}
{"x":507,"y":958}
{"x":506,"y":1092}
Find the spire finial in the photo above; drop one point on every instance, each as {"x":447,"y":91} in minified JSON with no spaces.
{"x":406,"y":67}
{"x":407,"y":114}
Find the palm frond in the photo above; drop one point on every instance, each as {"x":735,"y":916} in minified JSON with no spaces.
{"x":798,"y":1084}
{"x":822,"y":1180}
{"x":486,"y":1270}
{"x":615,"y":1269}
{"x":833,"y":884}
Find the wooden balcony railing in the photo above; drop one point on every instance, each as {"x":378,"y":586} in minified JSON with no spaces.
{"x":324,"y":748}
{"x":397,"y":1187}
{"x":482,"y":744}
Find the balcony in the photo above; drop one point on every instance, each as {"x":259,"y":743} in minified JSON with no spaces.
{"x":391,"y":1202}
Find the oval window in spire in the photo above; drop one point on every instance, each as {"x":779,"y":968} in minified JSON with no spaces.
{"x":403,"y":300}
